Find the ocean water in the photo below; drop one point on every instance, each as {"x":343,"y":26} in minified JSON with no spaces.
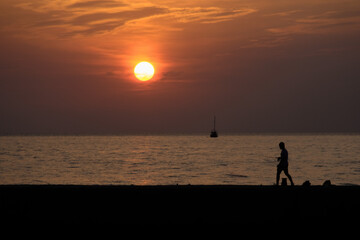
{"x":177,"y":159}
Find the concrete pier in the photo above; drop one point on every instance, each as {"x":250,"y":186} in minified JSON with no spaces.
{"x":56,"y":204}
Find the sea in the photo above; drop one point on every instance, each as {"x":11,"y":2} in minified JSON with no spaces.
{"x":232,"y":159}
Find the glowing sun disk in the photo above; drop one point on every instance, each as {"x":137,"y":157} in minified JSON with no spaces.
{"x":144,"y":71}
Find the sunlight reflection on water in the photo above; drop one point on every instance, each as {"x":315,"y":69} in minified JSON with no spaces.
{"x":232,"y":159}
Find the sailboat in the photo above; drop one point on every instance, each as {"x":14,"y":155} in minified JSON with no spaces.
{"x":213,"y":133}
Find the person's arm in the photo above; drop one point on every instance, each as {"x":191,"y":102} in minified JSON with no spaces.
{"x":282,"y":156}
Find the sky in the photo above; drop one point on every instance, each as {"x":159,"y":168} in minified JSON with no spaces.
{"x":66,"y":66}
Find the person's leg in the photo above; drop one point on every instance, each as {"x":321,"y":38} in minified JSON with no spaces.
{"x":278,"y":175}
{"x":289,"y":177}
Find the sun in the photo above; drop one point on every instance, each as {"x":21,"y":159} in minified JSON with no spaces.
{"x":144,"y":71}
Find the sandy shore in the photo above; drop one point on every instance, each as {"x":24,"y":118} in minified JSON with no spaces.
{"x":50,"y":204}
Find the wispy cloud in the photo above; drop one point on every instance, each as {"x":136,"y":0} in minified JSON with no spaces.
{"x":87,"y":19}
{"x":284,"y":13}
{"x":267,"y":42}
{"x":207,"y":15}
{"x":98,"y":17}
{"x":325,"y":22}
{"x":97,"y":4}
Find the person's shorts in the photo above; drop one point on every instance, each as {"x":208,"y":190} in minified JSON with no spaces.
{"x":282,"y":167}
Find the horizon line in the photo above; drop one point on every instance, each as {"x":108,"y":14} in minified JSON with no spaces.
{"x":197,"y":133}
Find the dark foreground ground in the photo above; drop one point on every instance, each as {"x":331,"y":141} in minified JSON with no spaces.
{"x":54,"y":204}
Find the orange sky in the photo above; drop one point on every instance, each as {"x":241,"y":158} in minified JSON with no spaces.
{"x":66,"y":66}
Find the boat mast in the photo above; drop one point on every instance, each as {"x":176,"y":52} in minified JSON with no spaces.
{"x":214,"y":122}
{"x":213,"y":133}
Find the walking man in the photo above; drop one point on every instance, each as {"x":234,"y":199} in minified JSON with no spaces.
{"x":283,"y":164}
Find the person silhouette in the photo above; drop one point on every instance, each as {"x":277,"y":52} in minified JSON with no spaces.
{"x":283,"y":164}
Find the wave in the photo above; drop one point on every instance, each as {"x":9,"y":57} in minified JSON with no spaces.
{"x":237,"y":175}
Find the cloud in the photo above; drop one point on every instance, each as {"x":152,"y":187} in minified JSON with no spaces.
{"x":326,"y":22}
{"x":96,"y":22}
{"x":207,"y":15}
{"x":267,"y":42}
{"x":99,"y":17}
{"x":97,"y":4}
{"x":121,"y":15}
{"x":109,"y":20}
{"x":284,"y":13}
{"x":97,"y":28}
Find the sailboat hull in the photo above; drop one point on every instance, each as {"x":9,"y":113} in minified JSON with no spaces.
{"x":213,"y":134}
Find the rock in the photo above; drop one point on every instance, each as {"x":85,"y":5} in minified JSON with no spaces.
{"x":327,"y":183}
{"x":306,"y":184}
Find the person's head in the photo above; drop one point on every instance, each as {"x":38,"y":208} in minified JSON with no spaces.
{"x":282,"y":145}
